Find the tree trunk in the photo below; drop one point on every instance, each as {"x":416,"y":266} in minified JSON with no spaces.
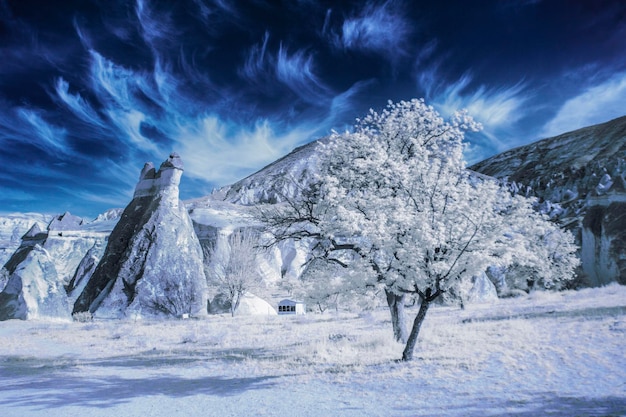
{"x":407,"y":355}
{"x":234,"y":304}
{"x":398,"y":317}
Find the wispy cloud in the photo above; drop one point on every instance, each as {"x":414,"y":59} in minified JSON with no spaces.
{"x":225,"y":152}
{"x":215,"y":148}
{"x":498,"y":109}
{"x":596,"y":104}
{"x":493,"y":107}
{"x":296,"y":71}
{"x":257,"y":65}
{"x":77,"y":104}
{"x":378,"y":27}
{"x":38,"y":132}
{"x":157,"y":29}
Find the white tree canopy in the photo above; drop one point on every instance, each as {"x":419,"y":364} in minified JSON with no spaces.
{"x":396,"y":194}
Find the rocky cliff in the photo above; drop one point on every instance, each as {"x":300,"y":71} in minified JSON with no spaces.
{"x":152,"y":264}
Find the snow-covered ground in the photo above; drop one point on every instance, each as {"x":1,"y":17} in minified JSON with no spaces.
{"x":557,"y":354}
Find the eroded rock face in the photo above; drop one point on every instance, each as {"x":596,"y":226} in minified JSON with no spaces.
{"x":604,"y":243}
{"x":41,"y":267}
{"x":152,"y":264}
{"x":13,"y":227}
{"x":34,"y":289}
{"x":85,"y":269}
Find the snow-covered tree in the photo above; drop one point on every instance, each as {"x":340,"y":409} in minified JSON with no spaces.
{"x":543,"y":256}
{"x":395,"y":194}
{"x":234,"y":270}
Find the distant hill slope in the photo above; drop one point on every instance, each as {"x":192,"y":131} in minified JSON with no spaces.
{"x":277,"y":180}
{"x":566,"y":169}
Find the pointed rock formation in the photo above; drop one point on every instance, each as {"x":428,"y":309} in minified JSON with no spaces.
{"x":152,"y":264}
{"x":85,"y":269}
{"x":66,"y":221}
{"x":31,"y":238}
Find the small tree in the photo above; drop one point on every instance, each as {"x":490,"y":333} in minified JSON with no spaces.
{"x":233,"y":269}
{"x":396,"y":194}
{"x":328,"y":285}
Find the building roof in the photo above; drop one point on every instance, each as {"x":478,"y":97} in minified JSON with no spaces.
{"x":287,"y":301}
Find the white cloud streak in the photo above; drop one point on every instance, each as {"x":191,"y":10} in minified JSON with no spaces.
{"x":379,"y":27}
{"x":297,"y":73}
{"x":294,"y":70}
{"x":78,"y":105}
{"x":499,"y":110}
{"x":215,"y":149}
{"x":596,"y":104}
{"x":494,"y":108}
{"x":43,"y":135}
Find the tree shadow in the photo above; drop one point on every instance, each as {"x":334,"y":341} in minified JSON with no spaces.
{"x":588,"y":312}
{"x":570,"y":406}
{"x":553,"y":406}
{"x":61,"y":382}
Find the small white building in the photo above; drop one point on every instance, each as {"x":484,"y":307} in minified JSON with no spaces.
{"x":287,"y":306}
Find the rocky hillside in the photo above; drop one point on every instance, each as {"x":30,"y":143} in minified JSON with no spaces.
{"x":578,"y":178}
{"x":565,"y":170}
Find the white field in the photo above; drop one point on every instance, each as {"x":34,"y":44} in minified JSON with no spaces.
{"x":557,"y":354}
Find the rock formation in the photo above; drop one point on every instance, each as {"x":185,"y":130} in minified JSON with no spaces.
{"x":604,"y":234}
{"x":40,"y":267}
{"x":12,"y":228}
{"x":152,"y":263}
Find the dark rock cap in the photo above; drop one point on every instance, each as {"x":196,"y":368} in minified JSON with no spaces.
{"x":173,"y":161}
{"x":148,"y":171}
{"x":34,"y":232}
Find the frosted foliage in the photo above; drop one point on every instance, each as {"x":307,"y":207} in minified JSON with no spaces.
{"x":541,"y":255}
{"x":398,"y":184}
{"x":326,"y":285}
{"x":399,"y":189}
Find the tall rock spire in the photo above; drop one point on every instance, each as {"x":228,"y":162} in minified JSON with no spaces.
{"x":153,"y":260}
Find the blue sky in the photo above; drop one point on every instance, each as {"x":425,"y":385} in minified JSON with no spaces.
{"x":92,"y":89}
